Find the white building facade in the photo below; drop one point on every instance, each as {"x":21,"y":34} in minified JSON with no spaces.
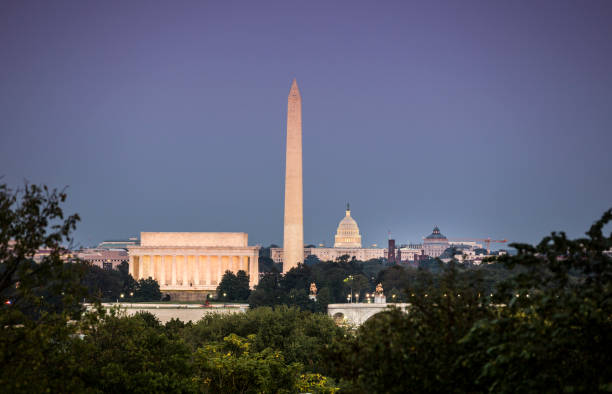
{"x":190,"y":265}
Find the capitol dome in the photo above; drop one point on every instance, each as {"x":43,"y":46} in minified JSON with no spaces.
{"x":436,"y":234}
{"x":435,"y":243}
{"x":347,"y":235}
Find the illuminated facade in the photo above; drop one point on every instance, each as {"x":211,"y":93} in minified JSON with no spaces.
{"x":347,"y":235}
{"x":187,"y":265}
{"x":435,"y":243}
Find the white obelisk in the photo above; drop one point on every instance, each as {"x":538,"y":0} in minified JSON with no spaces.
{"x":293,"y":241}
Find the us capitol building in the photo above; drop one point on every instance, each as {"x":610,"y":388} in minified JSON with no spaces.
{"x":347,"y":242}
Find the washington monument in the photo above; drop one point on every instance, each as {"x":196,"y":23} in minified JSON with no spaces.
{"x":293,"y":241}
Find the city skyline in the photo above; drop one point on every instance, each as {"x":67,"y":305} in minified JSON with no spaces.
{"x":484,"y":121}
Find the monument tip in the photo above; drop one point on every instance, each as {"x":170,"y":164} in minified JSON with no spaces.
{"x":294,"y":88}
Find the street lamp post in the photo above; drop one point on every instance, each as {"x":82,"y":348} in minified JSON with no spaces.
{"x":349,"y":279}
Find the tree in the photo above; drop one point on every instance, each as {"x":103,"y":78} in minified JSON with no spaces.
{"x":396,"y":352}
{"x":266,"y":264}
{"x":300,"y":335}
{"x":129,"y":283}
{"x":554,"y":332}
{"x":354,"y":284}
{"x":120,"y":354}
{"x":234,"y":287}
{"x":147,"y":290}
{"x":32,"y":219}
{"x":242,"y":290}
{"x":37,"y":298}
{"x":311,"y":259}
{"x":397,"y":277}
{"x":232,"y":367}
{"x":323,"y":299}
{"x":102,"y":284}
{"x":267,"y":292}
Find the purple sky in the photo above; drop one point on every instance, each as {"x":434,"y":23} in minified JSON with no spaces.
{"x":484,"y":118}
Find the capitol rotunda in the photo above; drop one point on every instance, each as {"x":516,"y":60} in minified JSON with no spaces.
{"x":347,"y":243}
{"x":347,"y":235}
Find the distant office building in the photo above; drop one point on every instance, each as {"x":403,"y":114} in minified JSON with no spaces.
{"x":470,"y":245}
{"x":435,"y":243}
{"x":332,"y":254}
{"x":411,"y":252}
{"x":41,"y":254}
{"x":103,"y":258}
{"x":119,"y":244}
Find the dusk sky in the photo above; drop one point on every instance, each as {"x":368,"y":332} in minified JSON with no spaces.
{"x":484,"y":118}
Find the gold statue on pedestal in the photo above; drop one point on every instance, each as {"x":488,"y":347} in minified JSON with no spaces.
{"x":379,"y":289}
{"x":313,"y":292}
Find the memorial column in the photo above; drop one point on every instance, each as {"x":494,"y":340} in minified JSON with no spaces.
{"x":173,"y":270}
{"x":185,"y":269}
{"x":196,"y":270}
{"x":151,"y":266}
{"x":162,"y":280}
{"x":131,"y":265}
{"x":254,"y":269}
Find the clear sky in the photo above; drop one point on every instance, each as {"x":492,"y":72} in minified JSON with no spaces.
{"x":484,"y":118}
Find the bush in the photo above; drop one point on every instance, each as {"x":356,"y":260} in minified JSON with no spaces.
{"x":299,"y":335}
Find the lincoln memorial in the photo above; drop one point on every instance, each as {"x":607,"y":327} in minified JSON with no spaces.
{"x":189,"y":265}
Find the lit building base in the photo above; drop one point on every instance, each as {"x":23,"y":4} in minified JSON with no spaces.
{"x":189,"y":295}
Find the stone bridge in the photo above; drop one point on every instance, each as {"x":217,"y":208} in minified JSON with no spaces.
{"x":184,"y":312}
{"x":356,"y":314}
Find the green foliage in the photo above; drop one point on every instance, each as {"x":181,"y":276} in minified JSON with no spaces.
{"x":274,"y":289}
{"x":232,"y":366}
{"x":397,"y":277}
{"x":38,"y":357}
{"x":234,"y":287}
{"x":109,"y":285}
{"x":555,"y":330}
{"x":32,"y":219}
{"x":174,"y":326}
{"x":147,"y":290}
{"x":103,"y":284}
{"x":267,"y":265}
{"x":356,"y":283}
{"x":42,"y":296}
{"x":395,"y":352}
{"x":316,"y":383}
{"x":132,"y":354}
{"x":129,"y":283}
{"x":323,"y":299}
{"x":299,"y":335}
